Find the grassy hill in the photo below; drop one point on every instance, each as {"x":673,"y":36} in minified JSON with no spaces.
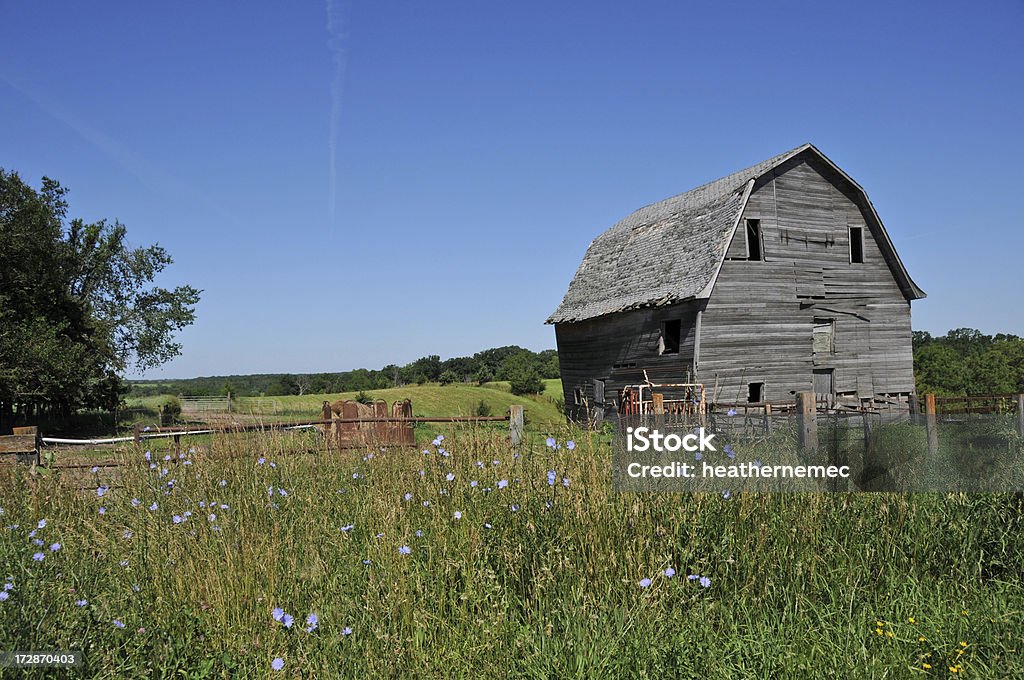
{"x":429,"y":399}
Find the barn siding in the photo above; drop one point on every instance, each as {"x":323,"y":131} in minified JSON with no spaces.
{"x":592,"y":349}
{"x":757,"y":324}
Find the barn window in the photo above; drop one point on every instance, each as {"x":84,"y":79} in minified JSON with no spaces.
{"x":856,"y":245}
{"x":824,"y":336}
{"x":669,"y":341}
{"x":754,"y":250}
{"x":755,"y":391}
{"x":578,"y":396}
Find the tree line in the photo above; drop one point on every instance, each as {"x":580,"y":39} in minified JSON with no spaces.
{"x":524,"y":369}
{"x":965,"y":361}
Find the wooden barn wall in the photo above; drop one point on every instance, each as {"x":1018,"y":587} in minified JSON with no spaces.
{"x":617,"y":348}
{"x":757,"y":326}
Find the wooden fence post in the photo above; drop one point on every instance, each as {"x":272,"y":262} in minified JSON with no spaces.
{"x":767,"y":419}
{"x":1020,"y":414}
{"x":807,"y":422}
{"x":930,"y":424}
{"x":137,"y":434}
{"x":515,"y":424}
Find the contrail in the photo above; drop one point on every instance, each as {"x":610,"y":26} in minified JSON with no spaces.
{"x":335,"y":46}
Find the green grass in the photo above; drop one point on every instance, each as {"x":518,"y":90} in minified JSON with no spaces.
{"x":427,"y":400}
{"x":801,"y":585}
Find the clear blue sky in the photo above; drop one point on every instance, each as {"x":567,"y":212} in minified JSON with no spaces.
{"x":360,"y":183}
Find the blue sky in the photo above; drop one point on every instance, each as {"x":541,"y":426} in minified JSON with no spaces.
{"x":355,"y":184}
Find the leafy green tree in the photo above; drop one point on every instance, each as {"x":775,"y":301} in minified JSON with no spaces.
{"x":77,"y":304}
{"x":522,"y":375}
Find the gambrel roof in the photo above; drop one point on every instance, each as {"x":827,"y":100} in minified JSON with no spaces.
{"x":672,"y":251}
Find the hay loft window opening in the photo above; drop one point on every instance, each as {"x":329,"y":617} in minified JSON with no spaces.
{"x":755,"y":391}
{"x":755,"y":252}
{"x":823,"y":341}
{"x":856,"y":245}
{"x":578,"y":396}
{"x":669,"y":341}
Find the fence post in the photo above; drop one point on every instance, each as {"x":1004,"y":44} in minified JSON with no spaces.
{"x":930,"y":424}
{"x":807,"y":422}
{"x":1020,"y":414}
{"x":137,"y":434}
{"x":767,"y":419}
{"x":515,"y":424}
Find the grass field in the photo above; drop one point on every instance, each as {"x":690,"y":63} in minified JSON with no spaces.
{"x":430,"y":399}
{"x":473,"y":560}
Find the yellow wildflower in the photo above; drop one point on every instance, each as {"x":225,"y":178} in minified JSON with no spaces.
{"x":911,"y":620}
{"x":926,"y":666}
{"x":963,"y":644}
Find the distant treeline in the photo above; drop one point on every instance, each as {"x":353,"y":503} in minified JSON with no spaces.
{"x":966,"y":361}
{"x":524,"y":368}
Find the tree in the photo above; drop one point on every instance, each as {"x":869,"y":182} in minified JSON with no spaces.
{"x":77,"y":304}
{"x":522,"y":375}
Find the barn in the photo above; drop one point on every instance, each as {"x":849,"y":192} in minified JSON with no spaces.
{"x":773,"y":280}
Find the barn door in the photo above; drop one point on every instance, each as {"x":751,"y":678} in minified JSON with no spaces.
{"x":824,"y":388}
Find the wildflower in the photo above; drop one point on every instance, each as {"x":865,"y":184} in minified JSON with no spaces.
{"x":81,"y":603}
{"x":366,"y":562}
{"x":727,"y":494}
{"x":346,"y":631}
{"x":273,"y":464}
{"x":705,"y":581}
{"x":167,"y":458}
{"x":450,"y":476}
{"x":287,"y":620}
{"x":118,"y":623}
{"x":502,"y":483}
{"x":408,"y":497}
{"x":670,"y":572}
{"x":645,"y":582}
{"x":123,"y":563}
{"x":31,"y":533}
{"x":515,"y":508}
{"x":348,"y":527}
{"x":136,"y":588}
{"x":550,"y":442}
{"x":458,"y":514}
{"x":54,"y":547}
{"x":565,"y":482}
{"x":127,"y":534}
{"x":213,"y":517}
{"x":136,"y":502}
{"x":426,"y":504}
{"x":223,"y":482}
{"x":731,"y":412}
{"x":729,"y":452}
{"x":963,"y":644}
{"x":4,"y":595}
{"x":177,"y":519}
{"x":147,"y":455}
{"x":379,"y":535}
{"x":495,"y":462}
{"x":698,"y":456}
{"x":37,"y":541}
{"x":571,"y":445}
{"x":277,"y":664}
{"x":551,"y":477}
{"x":474,"y":484}
{"x":756,"y":464}
{"x":404,"y":550}
{"x":312,"y":621}
{"x":94,"y":469}
{"x":487,"y":526}
{"x":39,"y":557}
{"x":282,"y":492}
{"x":419,"y":533}
{"x":154,"y":506}
{"x":926,"y":666}
{"x":921,"y":638}
{"x":277,"y":613}
{"x":42,"y":525}
{"x":261,"y":460}
{"x":480,"y":464}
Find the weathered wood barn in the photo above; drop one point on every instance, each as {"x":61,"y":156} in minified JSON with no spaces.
{"x":775,"y":279}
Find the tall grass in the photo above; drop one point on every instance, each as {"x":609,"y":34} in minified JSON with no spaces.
{"x":536,"y":579}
